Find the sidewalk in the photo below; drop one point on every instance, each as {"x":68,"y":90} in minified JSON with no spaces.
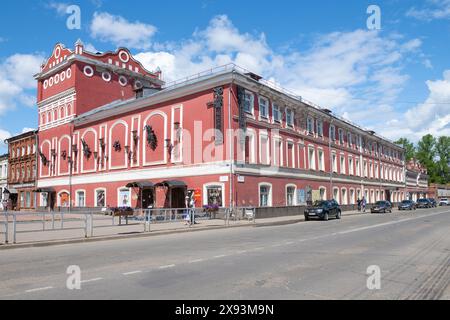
{"x":75,"y":231}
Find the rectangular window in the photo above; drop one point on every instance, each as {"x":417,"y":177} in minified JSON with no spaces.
{"x":320,"y":128}
{"x":321,"y":160}
{"x":289,"y":118}
{"x":341,"y":136}
{"x":263,"y":107}
{"x":342,"y":165}
{"x":80,"y":199}
{"x":334,"y":162}
{"x":28,"y":199}
{"x":264,"y":149}
{"x":249,"y":102}
{"x":332,"y":133}
{"x":358,"y":170}
{"x":350,"y":166}
{"x":264,"y":196}
{"x":290,"y":196}
{"x":276,"y":112}
{"x":349,"y":139}
{"x":100,"y":198}
{"x":311,"y":158}
{"x":310,"y":125}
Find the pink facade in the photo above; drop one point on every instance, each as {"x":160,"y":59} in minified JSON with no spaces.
{"x":110,"y":123}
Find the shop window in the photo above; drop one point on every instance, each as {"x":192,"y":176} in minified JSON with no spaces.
{"x":214,"y":196}
{"x":100,"y":198}
{"x":124,"y":198}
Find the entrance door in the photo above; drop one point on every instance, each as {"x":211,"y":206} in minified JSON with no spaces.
{"x":178,"y":197}
{"x":147,"y":198}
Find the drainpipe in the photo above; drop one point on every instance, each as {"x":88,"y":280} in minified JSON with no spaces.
{"x":230,"y":142}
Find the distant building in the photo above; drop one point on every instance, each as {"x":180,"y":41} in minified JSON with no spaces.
{"x":439,"y":191}
{"x":416,"y":181}
{"x":3,"y":179}
{"x":22,"y":171}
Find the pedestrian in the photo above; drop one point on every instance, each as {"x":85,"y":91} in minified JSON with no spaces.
{"x":364,"y":204}
{"x":359,"y":204}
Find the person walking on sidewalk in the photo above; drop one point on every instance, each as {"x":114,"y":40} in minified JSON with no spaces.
{"x":364,"y":204}
{"x":359,"y":204}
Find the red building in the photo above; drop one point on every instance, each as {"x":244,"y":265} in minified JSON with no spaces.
{"x":417,"y":181}
{"x":112,"y":133}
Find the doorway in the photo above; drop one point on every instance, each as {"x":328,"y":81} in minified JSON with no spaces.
{"x":178,"y":197}
{"x":148,"y":198}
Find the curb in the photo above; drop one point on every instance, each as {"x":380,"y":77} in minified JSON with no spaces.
{"x":145,"y":235}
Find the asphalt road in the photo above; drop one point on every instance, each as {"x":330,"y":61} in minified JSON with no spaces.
{"x":306,"y":260}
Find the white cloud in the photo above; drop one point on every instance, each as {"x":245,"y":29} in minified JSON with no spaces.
{"x":17,"y":84}
{"x":358,"y":73}
{"x":59,"y":7}
{"x":436,"y":9}
{"x":117,"y":30}
{"x":4,"y":134}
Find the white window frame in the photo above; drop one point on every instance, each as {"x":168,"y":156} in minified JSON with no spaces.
{"x":118,"y":195}
{"x":344,"y":196}
{"x":276,"y":113}
{"x":342,"y":164}
{"x":350,"y":166}
{"x":321,"y":159}
{"x":313,"y":160}
{"x":95,"y":197}
{"x":319,"y":127}
{"x":261,"y":115}
{"x":77,"y":200}
{"x":294,"y":197}
{"x":210,"y":185}
{"x":310,"y":125}
{"x":290,"y":123}
{"x":269,"y":197}
{"x":250,"y":94}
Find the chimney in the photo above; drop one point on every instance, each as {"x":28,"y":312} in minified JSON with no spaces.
{"x":79,"y":46}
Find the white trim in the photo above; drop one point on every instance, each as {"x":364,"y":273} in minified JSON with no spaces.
{"x":286,"y":194}
{"x":88,"y":71}
{"x":144,"y":144}
{"x":218,"y":168}
{"x":123,"y":81}
{"x":77,"y":203}
{"x":95,"y":196}
{"x":344,"y":200}
{"x":40,"y":161}
{"x":264,"y":134}
{"x":69,"y":153}
{"x":110,"y":148}
{"x":95,"y":150}
{"x":325,"y":193}
{"x":106,"y":76}
{"x":129,"y":197}
{"x":213,"y":184}
{"x":269,"y":199}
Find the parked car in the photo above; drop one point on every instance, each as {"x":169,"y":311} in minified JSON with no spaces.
{"x":444,"y":202}
{"x":323,"y":209}
{"x":407,"y":205}
{"x":433,"y":202}
{"x":381,"y":207}
{"x":424,"y":203}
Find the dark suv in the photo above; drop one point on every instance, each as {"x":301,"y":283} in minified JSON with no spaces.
{"x":424,"y":203}
{"x":381,"y":207}
{"x":323,"y":209}
{"x":407,"y":205}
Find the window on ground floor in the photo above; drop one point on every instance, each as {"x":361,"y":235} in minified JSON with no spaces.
{"x":344,"y":197}
{"x":100,"y":198}
{"x":214,"y":196}
{"x":265,"y":195}
{"x":290,"y":195}
{"x":323,"y":193}
{"x":124,"y":199}
{"x":81,"y":197}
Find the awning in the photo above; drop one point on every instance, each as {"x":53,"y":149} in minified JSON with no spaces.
{"x":141,"y":185}
{"x":172,"y":184}
{"x":43,"y":190}
{"x":10,"y":191}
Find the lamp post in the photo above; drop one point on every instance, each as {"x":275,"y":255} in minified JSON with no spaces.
{"x":70,"y":181}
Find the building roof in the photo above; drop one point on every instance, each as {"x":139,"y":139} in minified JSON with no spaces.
{"x":228,"y":71}
{"x":21,"y":136}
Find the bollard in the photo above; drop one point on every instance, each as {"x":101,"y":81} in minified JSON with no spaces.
{"x":85,"y":226}
{"x":6,"y":228}
{"x":92,"y":224}
{"x":14,"y":228}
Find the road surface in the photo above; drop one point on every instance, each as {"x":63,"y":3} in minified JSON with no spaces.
{"x":306,"y":260}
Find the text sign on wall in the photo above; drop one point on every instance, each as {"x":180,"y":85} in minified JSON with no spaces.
{"x":218,"y":114}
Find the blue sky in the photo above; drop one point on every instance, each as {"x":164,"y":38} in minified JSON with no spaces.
{"x":395,"y":80}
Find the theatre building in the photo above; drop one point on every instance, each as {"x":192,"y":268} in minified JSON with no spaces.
{"x":112,"y":133}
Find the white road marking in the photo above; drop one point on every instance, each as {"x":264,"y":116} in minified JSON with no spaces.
{"x":38,"y":289}
{"x":91,"y":280}
{"x":197,"y":260}
{"x":242,"y":251}
{"x":132,"y":272}
{"x":220,"y":256}
{"x":167,"y":267}
{"x":289,"y":243}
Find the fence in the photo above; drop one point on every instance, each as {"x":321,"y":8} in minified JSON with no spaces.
{"x":13,"y":224}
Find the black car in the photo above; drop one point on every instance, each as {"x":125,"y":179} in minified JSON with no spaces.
{"x":433,"y":202}
{"x":323,"y":209}
{"x":424,"y":203}
{"x":381,"y":207}
{"x":407,"y":205}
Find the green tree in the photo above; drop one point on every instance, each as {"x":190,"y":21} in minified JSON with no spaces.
{"x":409,"y":147}
{"x":443,"y":153}
{"x":426,"y":154}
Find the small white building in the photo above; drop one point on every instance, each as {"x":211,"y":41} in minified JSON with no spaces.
{"x":3,"y":178}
